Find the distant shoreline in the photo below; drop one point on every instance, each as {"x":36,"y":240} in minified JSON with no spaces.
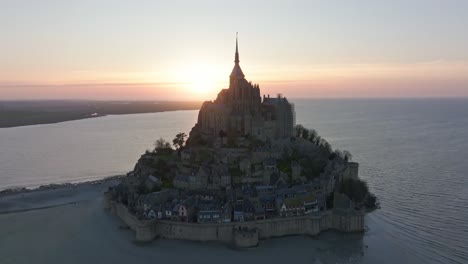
{"x":26,"y":113}
{"x":54,"y":186}
{"x":54,"y":195}
{"x":51,"y":122}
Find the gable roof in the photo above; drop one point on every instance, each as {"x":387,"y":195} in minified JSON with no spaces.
{"x":293,"y":202}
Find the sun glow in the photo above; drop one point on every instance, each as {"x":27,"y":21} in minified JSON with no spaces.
{"x":202,"y":81}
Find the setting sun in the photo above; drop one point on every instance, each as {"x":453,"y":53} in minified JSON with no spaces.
{"x":200,"y":80}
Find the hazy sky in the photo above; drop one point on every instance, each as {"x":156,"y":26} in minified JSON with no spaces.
{"x":184,"y":50}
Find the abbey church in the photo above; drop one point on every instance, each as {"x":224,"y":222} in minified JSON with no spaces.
{"x":240,"y":112}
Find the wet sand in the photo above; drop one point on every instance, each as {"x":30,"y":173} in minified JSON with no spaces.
{"x":53,"y":195}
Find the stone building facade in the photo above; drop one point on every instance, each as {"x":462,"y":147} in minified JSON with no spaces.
{"x":240,"y":111}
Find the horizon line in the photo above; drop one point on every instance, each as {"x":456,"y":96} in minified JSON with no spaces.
{"x":295,"y":98}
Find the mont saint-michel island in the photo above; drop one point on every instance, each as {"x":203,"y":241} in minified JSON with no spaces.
{"x":134,"y":132}
{"x":245,"y":172}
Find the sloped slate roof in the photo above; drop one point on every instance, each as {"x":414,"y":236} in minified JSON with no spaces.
{"x":237,"y":72}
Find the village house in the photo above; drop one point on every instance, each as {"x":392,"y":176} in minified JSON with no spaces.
{"x":291,"y":207}
{"x":259,"y":210}
{"x":185,"y":209}
{"x":227,"y":212}
{"x":210,"y":213}
{"x":167,"y":211}
{"x":238,"y":213}
{"x":146,"y":202}
{"x":152,"y":213}
{"x":298,"y":204}
{"x":185,"y":155}
{"x":206,"y":196}
{"x":269,"y":204}
{"x":244,"y":211}
{"x":269,"y":164}
{"x":265,"y":190}
{"x":286,"y":193}
{"x":310,"y":204}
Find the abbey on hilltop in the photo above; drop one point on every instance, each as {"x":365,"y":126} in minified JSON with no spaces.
{"x":239,"y":113}
{"x":246,"y":172}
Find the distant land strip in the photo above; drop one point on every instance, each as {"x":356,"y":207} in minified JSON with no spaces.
{"x":25,"y":113}
{"x":39,"y":208}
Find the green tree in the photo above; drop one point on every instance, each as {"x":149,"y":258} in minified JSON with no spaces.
{"x":325,"y":146}
{"x":339,"y":154}
{"x":317,"y":140}
{"x":161,"y":145}
{"x":305,"y":133}
{"x":179,"y":140}
{"x":299,"y":129}
{"x":312,"y":135}
{"x":356,"y":190}
{"x":347,"y":155}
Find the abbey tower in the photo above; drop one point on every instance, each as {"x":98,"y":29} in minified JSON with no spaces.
{"x":239,"y":112}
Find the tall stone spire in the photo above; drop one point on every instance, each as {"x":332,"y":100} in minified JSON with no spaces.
{"x":236,"y":60}
{"x":236,"y":71}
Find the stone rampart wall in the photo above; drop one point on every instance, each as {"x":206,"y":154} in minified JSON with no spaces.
{"x":122,"y":212}
{"x":240,"y":233}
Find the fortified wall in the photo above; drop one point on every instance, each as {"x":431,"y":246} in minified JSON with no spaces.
{"x":238,"y":234}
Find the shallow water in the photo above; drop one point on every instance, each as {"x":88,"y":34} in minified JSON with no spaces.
{"x":411,"y":152}
{"x":85,"y":149}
